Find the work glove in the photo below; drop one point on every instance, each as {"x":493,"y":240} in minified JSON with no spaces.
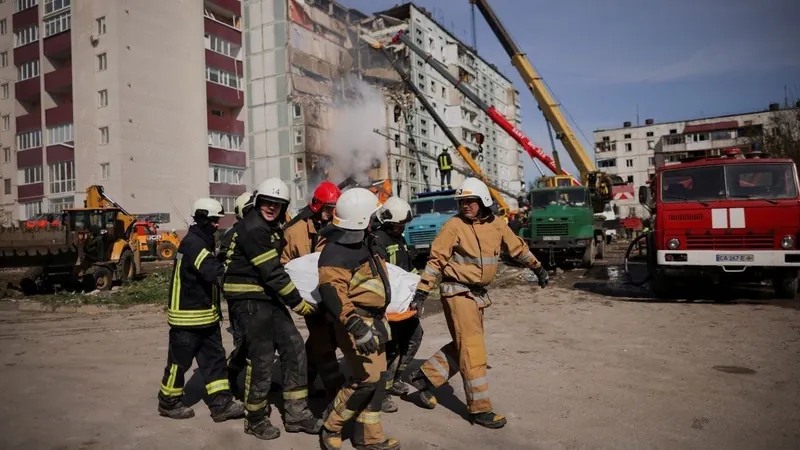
{"x":366,"y":337}
{"x":418,"y":303}
{"x":541,"y":274}
{"x":304,"y":308}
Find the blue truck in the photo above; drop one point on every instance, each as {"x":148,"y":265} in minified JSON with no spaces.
{"x":431,"y":210}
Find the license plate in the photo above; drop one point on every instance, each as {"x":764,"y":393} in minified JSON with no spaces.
{"x":735,"y":258}
{"x":423,"y":246}
{"x":551,"y":238}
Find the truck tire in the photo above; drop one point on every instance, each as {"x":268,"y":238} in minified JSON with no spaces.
{"x":589,"y":254}
{"x":166,"y":251}
{"x":785,"y":287}
{"x":103,"y":278}
{"x":126,"y":267}
{"x":30,"y":282}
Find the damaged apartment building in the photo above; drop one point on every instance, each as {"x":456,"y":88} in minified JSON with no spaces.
{"x":304,"y":59}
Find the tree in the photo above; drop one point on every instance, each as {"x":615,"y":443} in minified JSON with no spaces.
{"x":781,"y":135}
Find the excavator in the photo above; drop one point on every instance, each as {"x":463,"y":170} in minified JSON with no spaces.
{"x":92,"y":248}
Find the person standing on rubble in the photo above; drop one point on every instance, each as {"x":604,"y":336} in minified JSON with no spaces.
{"x":354,"y":286}
{"x":302,"y":236}
{"x":405,"y":327}
{"x":466,"y":254}
{"x":236,"y":360}
{"x":260,"y":289}
{"x":193,"y":315}
{"x":445,"y":168}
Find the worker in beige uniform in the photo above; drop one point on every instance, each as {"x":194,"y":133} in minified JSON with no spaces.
{"x":466,"y":254}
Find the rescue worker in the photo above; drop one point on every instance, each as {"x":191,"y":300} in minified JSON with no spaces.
{"x":466,"y":254}
{"x":354,"y":287}
{"x":445,"y":168}
{"x":302,"y":236}
{"x":259,"y":290}
{"x":405,"y":328}
{"x":236,"y":360}
{"x":193,"y":315}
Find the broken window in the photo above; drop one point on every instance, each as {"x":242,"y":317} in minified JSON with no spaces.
{"x":396,"y":141}
{"x":298,"y":111}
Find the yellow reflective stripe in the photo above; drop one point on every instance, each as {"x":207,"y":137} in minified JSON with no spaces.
{"x":242,"y":287}
{"x":295,"y":395}
{"x":264,"y":257}
{"x":371,"y":284}
{"x":392,"y":251}
{"x":229,"y":253}
{"x":252,"y":407}
{"x":176,"y":286}
{"x":369,"y":417}
{"x":287,"y":289}
{"x":170,"y":390}
{"x":193,"y":317}
{"x":247,"y":372}
{"x":200,"y":257}
{"x":217,"y":386}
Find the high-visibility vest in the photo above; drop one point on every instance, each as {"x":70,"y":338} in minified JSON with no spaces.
{"x":443,"y":163}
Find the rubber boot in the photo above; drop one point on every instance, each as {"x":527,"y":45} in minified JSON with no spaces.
{"x":178,"y":411}
{"x":233,"y":410}
{"x":261,"y":428}
{"x":488,"y":420}
{"x":329,"y":440}
{"x":398,"y":388}
{"x":299,"y":418}
{"x":388,"y":444}
{"x":427,"y":400}
{"x":388,"y":405}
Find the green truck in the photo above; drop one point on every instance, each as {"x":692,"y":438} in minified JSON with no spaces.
{"x":567,"y":226}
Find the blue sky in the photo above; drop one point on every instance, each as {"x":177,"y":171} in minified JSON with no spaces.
{"x":675,"y":59}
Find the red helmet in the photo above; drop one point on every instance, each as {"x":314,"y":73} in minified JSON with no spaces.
{"x":326,"y":193}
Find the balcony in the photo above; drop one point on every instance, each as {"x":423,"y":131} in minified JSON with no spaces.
{"x":58,"y":115}
{"x":673,"y":143}
{"x":59,"y":80}
{"x":224,"y":95}
{"x":58,"y":46}
{"x":30,"y":191}
{"x":228,"y":8}
{"x":226,"y":63}
{"x":29,"y":122}
{"x":31,"y":157}
{"x":223,"y":31}
{"x":58,"y":153}
{"x":225,"y":124}
{"x":28,"y":90}
{"x":222,"y":157}
{"x":221,"y":189}
{"x":26,"y":53}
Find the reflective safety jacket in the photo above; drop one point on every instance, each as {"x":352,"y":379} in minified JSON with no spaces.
{"x":225,"y":243}
{"x":253,"y":269}
{"x":353,"y":280}
{"x":395,"y":250}
{"x":302,"y":238}
{"x":468,"y":252}
{"x":194,"y":291}
{"x":445,"y":162}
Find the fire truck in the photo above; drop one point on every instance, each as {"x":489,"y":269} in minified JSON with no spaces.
{"x":733,"y":218}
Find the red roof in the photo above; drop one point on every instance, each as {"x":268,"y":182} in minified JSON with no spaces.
{"x":728,"y":125}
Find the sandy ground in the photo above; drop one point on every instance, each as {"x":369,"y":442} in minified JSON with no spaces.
{"x":570,"y":368}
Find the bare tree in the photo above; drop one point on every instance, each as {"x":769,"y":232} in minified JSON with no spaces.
{"x":781,"y":135}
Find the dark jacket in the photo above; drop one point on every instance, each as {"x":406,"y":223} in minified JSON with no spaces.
{"x":395,"y":250}
{"x":194,"y":290}
{"x":253,"y":270}
{"x":445,"y":161}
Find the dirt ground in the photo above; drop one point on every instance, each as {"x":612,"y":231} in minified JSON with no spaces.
{"x":571,"y":368}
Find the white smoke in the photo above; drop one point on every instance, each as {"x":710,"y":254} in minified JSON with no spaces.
{"x":352,"y":145}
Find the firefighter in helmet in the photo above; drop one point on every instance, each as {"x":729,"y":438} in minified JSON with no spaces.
{"x":260,"y":290}
{"x":193,"y":315}
{"x":466,"y":254}
{"x":445,"y":168}
{"x":354,"y":286}
{"x":405,"y":327}
{"x":302,"y":236}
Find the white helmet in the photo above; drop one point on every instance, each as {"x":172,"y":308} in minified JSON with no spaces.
{"x":354,"y":209}
{"x":208,"y":207}
{"x":395,"y":210}
{"x":473,"y":187}
{"x":273,"y":189}
{"x":242,"y":202}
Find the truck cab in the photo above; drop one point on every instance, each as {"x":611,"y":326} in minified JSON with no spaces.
{"x":726,"y":218}
{"x":430,"y":210}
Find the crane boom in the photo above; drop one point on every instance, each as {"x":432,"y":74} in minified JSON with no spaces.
{"x":534,"y":151}
{"x":501,"y":203}
{"x":534,"y":81}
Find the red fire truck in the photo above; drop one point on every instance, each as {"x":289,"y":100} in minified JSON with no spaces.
{"x":731,"y":218}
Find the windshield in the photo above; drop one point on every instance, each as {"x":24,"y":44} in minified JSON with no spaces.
{"x":566,"y":196}
{"x":440,"y":205}
{"x":768,"y":181}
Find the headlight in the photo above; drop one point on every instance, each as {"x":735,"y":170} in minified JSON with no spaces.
{"x":674,"y":243}
{"x":787,"y":242}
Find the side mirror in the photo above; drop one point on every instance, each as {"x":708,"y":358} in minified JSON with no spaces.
{"x":644,"y":195}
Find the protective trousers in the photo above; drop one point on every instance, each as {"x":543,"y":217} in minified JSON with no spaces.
{"x":265,"y":327}
{"x":362,"y":395}
{"x":446,"y":176}
{"x":238,"y":357}
{"x":205,"y":344}
{"x":321,"y":352}
{"x":466,"y":353}
{"x":400,"y":351}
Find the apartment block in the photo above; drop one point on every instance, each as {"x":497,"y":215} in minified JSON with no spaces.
{"x":145,"y":98}
{"x":634,"y":152}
